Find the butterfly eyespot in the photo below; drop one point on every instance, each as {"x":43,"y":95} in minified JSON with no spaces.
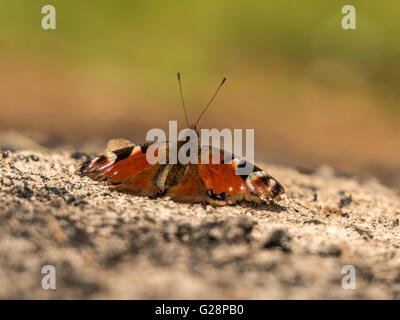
{"x":216,"y":196}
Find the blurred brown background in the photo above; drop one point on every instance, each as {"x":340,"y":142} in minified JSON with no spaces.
{"x":314,"y":93}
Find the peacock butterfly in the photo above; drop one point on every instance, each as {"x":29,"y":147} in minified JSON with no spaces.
{"x":125,"y":167}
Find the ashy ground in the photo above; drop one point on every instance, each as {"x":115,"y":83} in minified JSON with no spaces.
{"x":105,"y":244}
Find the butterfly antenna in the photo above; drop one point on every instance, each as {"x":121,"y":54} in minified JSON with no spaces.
{"x":208,"y":104}
{"x":183,"y":102}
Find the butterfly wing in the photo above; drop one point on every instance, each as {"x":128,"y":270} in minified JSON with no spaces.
{"x":224,"y":184}
{"x":126,"y":169}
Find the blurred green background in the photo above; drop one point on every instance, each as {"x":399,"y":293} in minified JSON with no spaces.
{"x":315,"y":93}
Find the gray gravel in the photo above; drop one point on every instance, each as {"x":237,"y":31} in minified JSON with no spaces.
{"x":105,"y":244}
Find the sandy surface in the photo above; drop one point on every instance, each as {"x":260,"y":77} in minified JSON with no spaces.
{"x":109,"y":245}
